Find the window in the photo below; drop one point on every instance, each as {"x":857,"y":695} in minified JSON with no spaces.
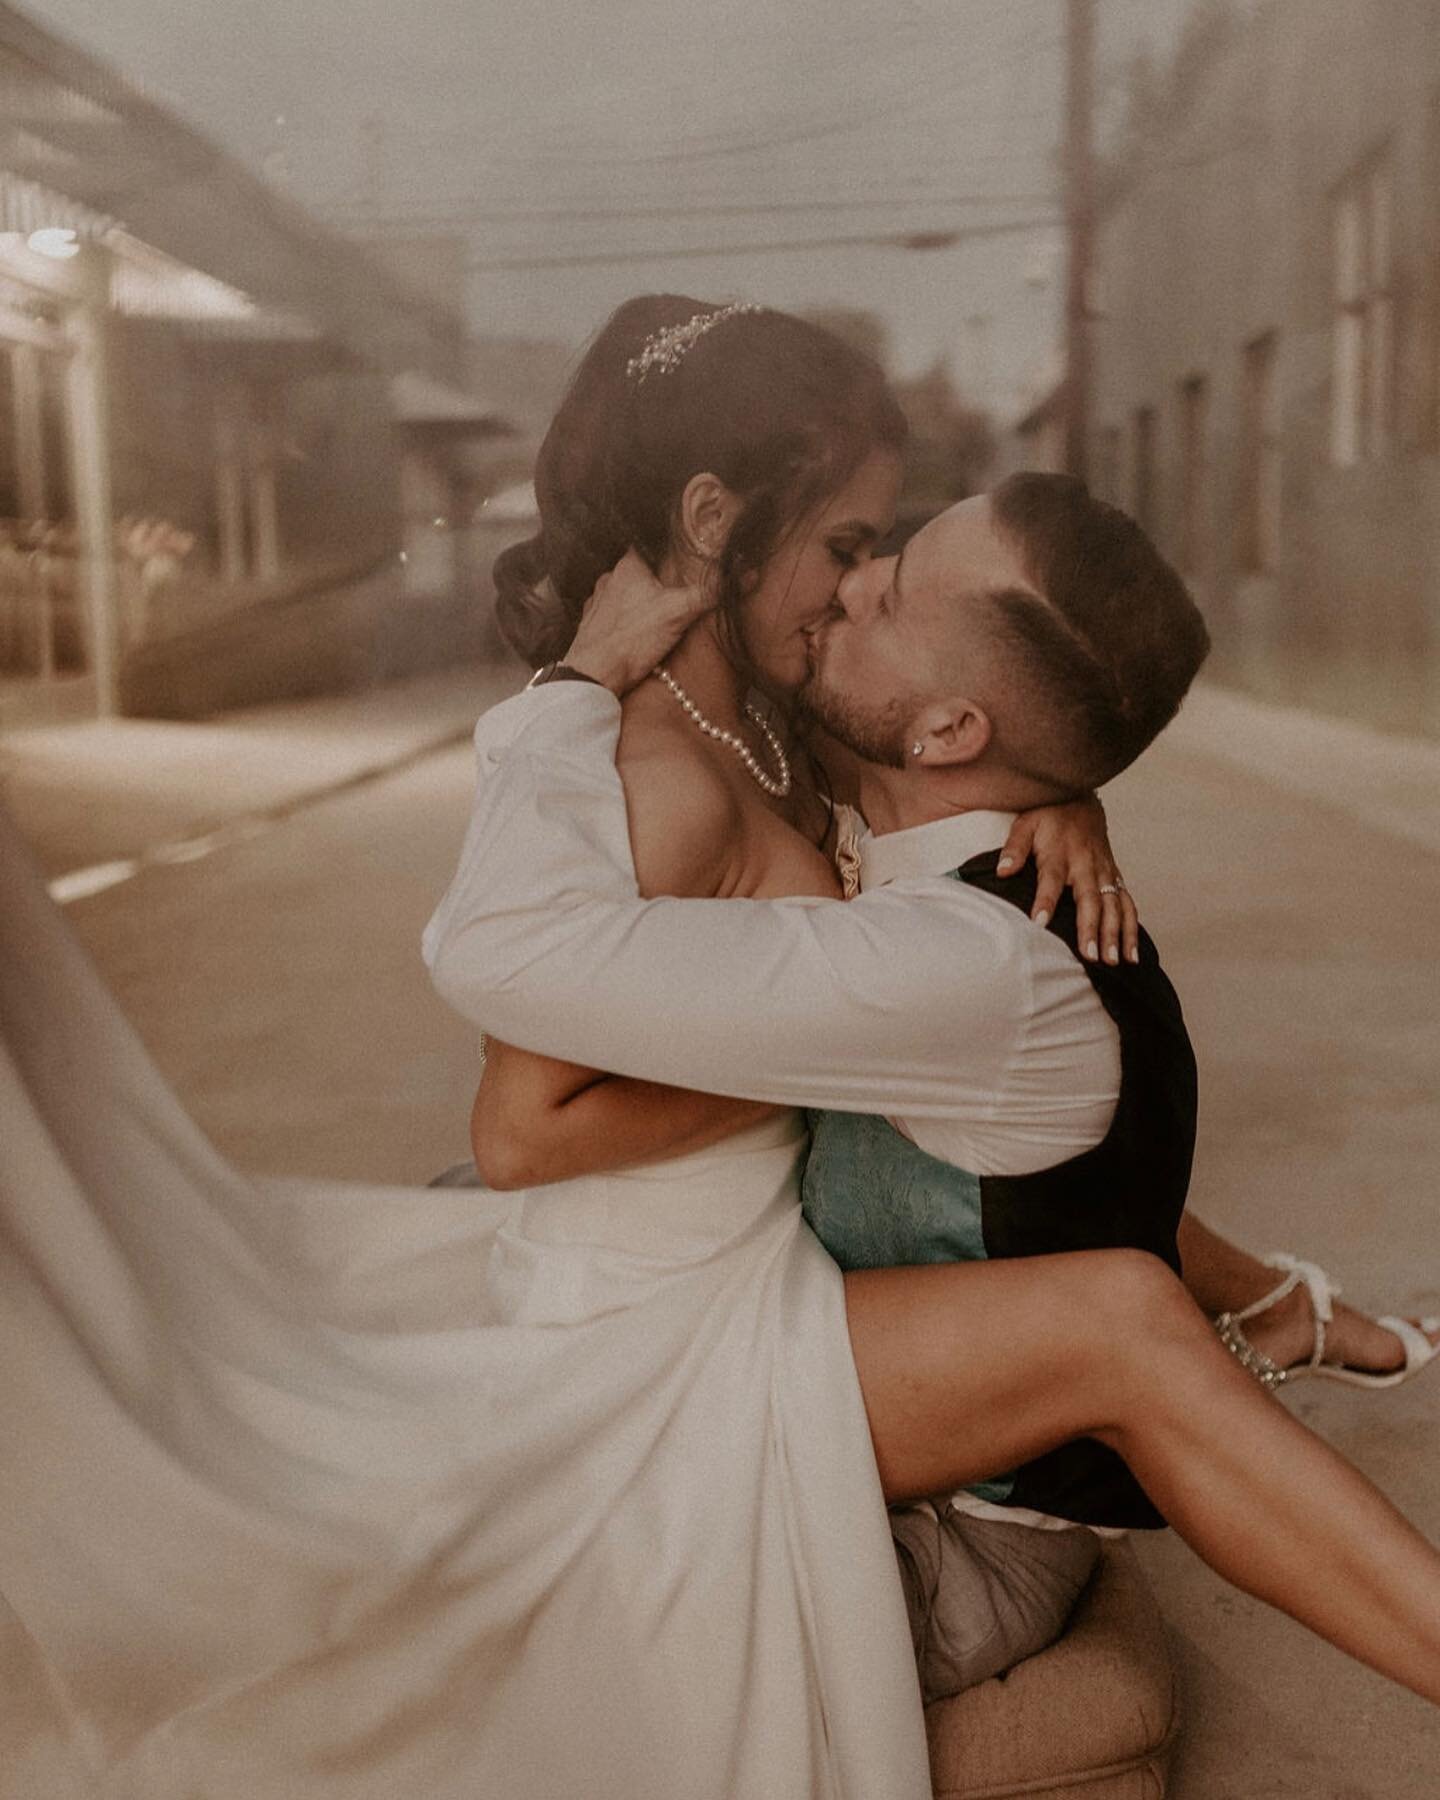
{"x":1194,"y":428}
{"x":1362,"y":385}
{"x":1142,"y":487}
{"x":1260,"y":467}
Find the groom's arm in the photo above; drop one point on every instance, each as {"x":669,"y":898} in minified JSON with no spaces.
{"x":908,"y":1001}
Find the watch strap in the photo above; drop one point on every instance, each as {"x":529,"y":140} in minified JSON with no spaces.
{"x":560,"y":671}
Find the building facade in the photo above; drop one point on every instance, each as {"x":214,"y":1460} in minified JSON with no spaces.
{"x":212,"y":410}
{"x":1267,"y":345}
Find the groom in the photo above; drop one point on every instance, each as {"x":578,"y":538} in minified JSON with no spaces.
{"x":1069,"y":644}
{"x":1024,"y":648}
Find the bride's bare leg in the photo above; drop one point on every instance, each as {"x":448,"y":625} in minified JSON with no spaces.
{"x":967,"y":1369}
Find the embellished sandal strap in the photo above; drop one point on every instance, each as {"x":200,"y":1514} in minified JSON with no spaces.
{"x":1298,"y":1273}
{"x":1321,"y":1289}
{"x":1266,"y":1371}
{"x":1273,"y":1298}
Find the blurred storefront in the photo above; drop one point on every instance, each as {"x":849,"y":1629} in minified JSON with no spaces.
{"x":234,"y":448}
{"x":1267,"y":344}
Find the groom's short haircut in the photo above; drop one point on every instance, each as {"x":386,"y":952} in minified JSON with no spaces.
{"x":1111,"y":639}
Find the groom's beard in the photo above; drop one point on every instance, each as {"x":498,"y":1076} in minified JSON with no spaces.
{"x":876,"y":733}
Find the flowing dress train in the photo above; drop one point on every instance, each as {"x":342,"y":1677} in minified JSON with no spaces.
{"x":315,"y":1491}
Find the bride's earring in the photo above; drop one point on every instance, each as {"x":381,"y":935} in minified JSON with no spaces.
{"x":917,"y":749}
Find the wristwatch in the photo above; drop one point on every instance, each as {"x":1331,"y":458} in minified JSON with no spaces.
{"x":560,"y":671}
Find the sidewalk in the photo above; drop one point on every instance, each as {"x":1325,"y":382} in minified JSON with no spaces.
{"x":1389,"y":783}
{"x":97,"y":798}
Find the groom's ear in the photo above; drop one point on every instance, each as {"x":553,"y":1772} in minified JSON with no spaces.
{"x":949,"y":733}
{"x":707,"y":511}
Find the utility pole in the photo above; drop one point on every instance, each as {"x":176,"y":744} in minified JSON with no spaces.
{"x":1080,"y":226}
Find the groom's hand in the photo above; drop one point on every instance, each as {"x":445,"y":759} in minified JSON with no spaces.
{"x":631,"y":622}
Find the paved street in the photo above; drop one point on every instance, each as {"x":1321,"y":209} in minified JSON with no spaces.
{"x":1296,"y":921}
{"x":278,"y":983}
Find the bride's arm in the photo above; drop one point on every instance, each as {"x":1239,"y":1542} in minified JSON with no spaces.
{"x":537,"y":1120}
{"x":543,"y":939}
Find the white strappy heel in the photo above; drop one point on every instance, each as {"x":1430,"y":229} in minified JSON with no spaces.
{"x":1322,"y":1290}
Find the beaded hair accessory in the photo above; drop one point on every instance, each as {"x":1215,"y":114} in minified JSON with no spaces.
{"x":664,"y":351}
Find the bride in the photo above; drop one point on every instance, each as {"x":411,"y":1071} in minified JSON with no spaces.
{"x":315,"y":1491}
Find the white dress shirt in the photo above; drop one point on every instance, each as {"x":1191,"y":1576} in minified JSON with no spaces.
{"x":923,"y":998}
{"x":935,"y":849}
{"x":943,"y":845}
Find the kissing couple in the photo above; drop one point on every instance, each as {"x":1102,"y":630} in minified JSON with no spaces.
{"x":824,"y":1305}
{"x":1000,"y":1091}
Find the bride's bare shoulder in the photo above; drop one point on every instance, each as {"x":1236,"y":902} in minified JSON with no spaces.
{"x":684,"y":816}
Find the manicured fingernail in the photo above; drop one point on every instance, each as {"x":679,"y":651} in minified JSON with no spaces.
{"x":1134,"y":955}
{"x":1005,"y":862}
{"x":1112,"y":955}
{"x":1092,"y":950}
{"x":1042,"y":918}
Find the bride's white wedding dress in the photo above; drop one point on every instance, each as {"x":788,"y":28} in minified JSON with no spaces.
{"x":314,"y":1490}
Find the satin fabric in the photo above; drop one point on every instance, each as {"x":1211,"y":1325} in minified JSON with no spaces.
{"x":311,"y":1490}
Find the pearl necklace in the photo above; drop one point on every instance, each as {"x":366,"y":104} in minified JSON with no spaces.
{"x":778,"y":784}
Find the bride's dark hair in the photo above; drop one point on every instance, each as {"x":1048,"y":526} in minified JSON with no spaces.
{"x":782,"y":411}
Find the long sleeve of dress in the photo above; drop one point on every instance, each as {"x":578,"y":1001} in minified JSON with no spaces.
{"x":920,"y":999}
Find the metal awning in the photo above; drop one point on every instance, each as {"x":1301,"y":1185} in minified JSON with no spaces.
{"x":95,"y":153}
{"x":514,"y":505}
{"x":435,"y":408}
{"x":145,"y":284}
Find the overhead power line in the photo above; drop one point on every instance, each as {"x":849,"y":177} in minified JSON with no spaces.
{"x":726,"y":143}
{"x":351,"y":205}
{"x":917,"y":240}
{"x":738,"y":209}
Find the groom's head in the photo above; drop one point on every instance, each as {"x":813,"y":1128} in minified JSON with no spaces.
{"x":1027,"y":643}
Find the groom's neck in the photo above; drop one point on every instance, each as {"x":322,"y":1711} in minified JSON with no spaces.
{"x":897,"y":799}
{"x":892,"y":801}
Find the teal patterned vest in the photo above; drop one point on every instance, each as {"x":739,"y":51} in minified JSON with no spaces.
{"x":877,"y":1201}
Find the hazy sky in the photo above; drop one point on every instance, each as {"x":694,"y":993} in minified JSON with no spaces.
{"x":755,"y":122}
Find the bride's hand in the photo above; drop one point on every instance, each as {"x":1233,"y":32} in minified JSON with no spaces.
{"x":631,"y":622}
{"x":1071,"y":848}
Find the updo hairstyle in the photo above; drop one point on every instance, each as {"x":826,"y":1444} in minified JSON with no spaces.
{"x":782,"y":411}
